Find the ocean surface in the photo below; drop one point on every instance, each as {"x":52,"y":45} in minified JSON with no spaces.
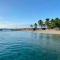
{"x":29,"y":46}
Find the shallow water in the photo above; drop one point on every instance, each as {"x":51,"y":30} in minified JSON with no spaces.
{"x":29,"y":46}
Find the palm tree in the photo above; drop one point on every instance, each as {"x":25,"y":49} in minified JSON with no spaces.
{"x":47,"y":22}
{"x":31,"y":26}
{"x":57,"y":22}
{"x":40,"y":22}
{"x":35,"y":26}
{"x":52,"y":23}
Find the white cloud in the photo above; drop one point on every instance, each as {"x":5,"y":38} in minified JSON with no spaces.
{"x":8,"y":24}
{"x":13,"y":26}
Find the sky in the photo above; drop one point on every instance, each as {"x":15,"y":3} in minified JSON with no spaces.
{"x":25,"y":12}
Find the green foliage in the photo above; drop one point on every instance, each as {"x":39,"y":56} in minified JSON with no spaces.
{"x":31,"y":25}
{"x":57,"y":22}
{"x":50,"y":23}
{"x":35,"y":25}
{"x":47,"y":22}
{"x":40,"y":22}
{"x":53,"y":23}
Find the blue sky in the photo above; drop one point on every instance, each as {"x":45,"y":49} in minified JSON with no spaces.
{"x":27,"y":11}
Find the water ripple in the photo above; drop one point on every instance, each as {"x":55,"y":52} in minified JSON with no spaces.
{"x":29,"y":46}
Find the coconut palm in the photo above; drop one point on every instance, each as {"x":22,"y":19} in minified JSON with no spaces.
{"x":31,"y":26}
{"x":40,"y":22}
{"x":57,"y":22}
{"x":52,"y":23}
{"x":35,"y":26}
{"x":47,"y":22}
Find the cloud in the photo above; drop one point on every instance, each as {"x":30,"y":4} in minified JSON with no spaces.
{"x":6,"y":22}
{"x":13,"y":26}
{"x":6,"y":25}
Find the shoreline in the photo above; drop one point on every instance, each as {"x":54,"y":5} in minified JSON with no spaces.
{"x":51,"y":31}
{"x":48,"y":31}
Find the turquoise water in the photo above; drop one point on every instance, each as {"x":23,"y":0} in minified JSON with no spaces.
{"x":29,"y":46}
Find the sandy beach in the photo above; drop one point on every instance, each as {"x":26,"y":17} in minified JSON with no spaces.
{"x":48,"y":31}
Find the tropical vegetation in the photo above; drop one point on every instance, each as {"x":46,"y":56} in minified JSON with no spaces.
{"x":50,"y":23}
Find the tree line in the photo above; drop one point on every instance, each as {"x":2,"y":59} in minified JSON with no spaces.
{"x":50,"y":23}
